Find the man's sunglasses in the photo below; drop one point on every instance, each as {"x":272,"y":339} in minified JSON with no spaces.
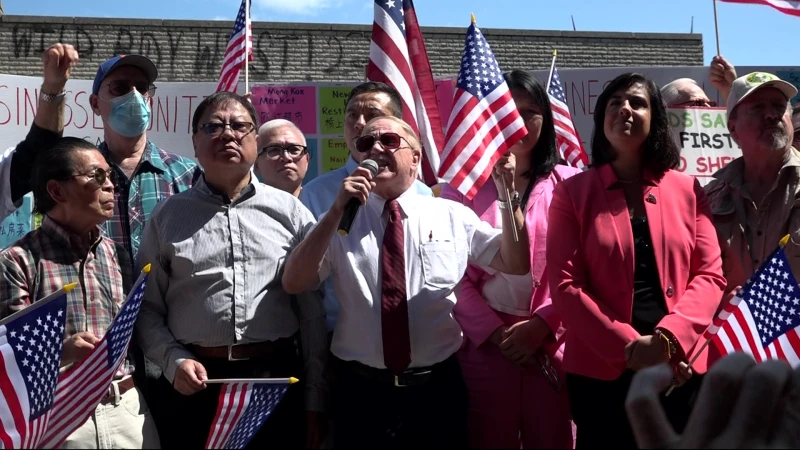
{"x":389,"y":141}
{"x":119,"y":88}
{"x":98,"y":175}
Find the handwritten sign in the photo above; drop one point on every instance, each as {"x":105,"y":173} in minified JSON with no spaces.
{"x":334,"y":154}
{"x":706,"y":145}
{"x":332,"y":102}
{"x":792,"y":76}
{"x":297,"y":104}
{"x":17,"y":224}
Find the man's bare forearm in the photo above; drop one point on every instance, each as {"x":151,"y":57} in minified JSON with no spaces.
{"x":299,"y":274}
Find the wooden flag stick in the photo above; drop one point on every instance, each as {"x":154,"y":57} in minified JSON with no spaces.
{"x":696,"y":355}
{"x":716,"y":25}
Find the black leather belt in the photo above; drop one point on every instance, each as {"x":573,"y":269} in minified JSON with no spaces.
{"x":415,"y":377}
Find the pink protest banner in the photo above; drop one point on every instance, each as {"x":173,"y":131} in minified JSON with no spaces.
{"x":297,"y":104}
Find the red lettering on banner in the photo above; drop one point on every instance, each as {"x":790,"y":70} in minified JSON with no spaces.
{"x":577,"y":97}
{"x":8,"y":110}
{"x":683,"y":164}
{"x":175,"y":117}
{"x":592,"y":96}
{"x":711,"y":164}
{"x":30,"y":102}
{"x":85,"y":113}
{"x":164,"y":115}
{"x":191,"y":111}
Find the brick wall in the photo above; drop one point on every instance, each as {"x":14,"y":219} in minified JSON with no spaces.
{"x":192,"y":50}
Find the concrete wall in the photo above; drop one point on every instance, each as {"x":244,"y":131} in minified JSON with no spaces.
{"x":192,"y":50}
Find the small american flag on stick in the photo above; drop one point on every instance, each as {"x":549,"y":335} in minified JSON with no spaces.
{"x":239,"y":51}
{"x":569,"y":143}
{"x":81,"y":388}
{"x":484,"y":122}
{"x":31,"y":343}
{"x":244,"y":406}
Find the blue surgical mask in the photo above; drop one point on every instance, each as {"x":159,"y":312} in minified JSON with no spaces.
{"x":130,"y":114}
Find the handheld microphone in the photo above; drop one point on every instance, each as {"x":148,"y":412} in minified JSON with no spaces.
{"x":351,"y":209}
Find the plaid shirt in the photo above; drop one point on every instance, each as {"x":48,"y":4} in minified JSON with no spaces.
{"x":48,"y":258}
{"x":158,"y":176}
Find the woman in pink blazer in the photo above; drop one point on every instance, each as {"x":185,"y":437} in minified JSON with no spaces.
{"x":511,"y":358}
{"x":634,"y":264}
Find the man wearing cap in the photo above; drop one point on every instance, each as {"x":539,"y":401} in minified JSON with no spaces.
{"x":143,"y":173}
{"x":753,"y":197}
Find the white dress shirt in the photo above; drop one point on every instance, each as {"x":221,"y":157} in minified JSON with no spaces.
{"x":441,"y":238}
{"x":6,"y":203}
{"x":318,"y":196}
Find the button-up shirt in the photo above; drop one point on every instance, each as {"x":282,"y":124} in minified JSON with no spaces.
{"x":215,"y":278}
{"x":158,"y":176}
{"x":441,"y":238}
{"x":748,"y":232}
{"x":48,"y":258}
{"x":318,"y":196}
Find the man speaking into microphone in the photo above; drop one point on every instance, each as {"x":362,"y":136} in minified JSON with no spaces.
{"x":394,"y":270}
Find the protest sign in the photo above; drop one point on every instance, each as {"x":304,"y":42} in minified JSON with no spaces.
{"x":706,"y":145}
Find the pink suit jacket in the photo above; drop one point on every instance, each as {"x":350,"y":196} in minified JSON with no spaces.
{"x":590,"y":259}
{"x":477,"y":319}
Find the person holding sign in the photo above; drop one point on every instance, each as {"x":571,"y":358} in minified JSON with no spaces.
{"x":514,"y":338}
{"x":633,"y":264}
{"x":754,"y":197}
{"x":73,"y":190}
{"x":214,"y":306}
{"x":16,"y":163}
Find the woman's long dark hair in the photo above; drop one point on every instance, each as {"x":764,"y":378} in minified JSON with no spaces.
{"x":544,"y":155}
{"x":660,"y":152}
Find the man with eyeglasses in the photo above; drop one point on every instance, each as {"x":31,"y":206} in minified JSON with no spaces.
{"x":17,"y":162}
{"x":687,"y":93}
{"x":73,"y":191}
{"x":399,"y":383}
{"x":144,"y":173}
{"x":282,"y":156}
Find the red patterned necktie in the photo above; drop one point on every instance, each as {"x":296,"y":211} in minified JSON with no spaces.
{"x":394,"y":303}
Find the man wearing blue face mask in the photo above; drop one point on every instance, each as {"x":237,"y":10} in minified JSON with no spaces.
{"x":143,"y":173}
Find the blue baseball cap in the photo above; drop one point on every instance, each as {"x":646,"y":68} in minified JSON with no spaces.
{"x":106,"y":67}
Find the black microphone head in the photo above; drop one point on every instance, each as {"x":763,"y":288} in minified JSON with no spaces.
{"x":370,"y":165}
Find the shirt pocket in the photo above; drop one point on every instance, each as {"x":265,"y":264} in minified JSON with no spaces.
{"x":442,"y":266}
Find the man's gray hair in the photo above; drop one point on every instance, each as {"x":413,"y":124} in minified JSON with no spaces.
{"x":274,"y":124}
{"x":671,"y":92}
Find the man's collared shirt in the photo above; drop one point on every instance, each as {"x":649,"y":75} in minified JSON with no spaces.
{"x":318,"y":196}
{"x":159,"y":176}
{"x":441,"y":238}
{"x":748,"y":232}
{"x":48,"y":258}
{"x":216,"y":274}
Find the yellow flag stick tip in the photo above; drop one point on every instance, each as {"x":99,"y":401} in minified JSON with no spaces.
{"x":784,"y":241}
{"x":555,"y":52}
{"x":146,"y":269}
{"x":293,"y":380}
{"x":472,"y":15}
{"x":69,"y":287}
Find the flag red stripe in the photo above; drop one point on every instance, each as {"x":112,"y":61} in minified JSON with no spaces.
{"x":790,"y":11}
{"x":748,"y":335}
{"x":10,"y":396}
{"x":779,"y":351}
{"x":794,"y":340}
{"x":213,"y":437}
{"x":732,"y":336}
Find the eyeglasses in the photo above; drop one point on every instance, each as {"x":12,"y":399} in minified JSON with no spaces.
{"x":215,"y":129}
{"x":389,"y":141}
{"x":118,"y":88}
{"x":700,"y":103}
{"x":98,"y":175}
{"x":548,"y":370}
{"x":275,"y":151}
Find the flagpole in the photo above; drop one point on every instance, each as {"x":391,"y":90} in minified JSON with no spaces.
{"x":290,"y":380}
{"x":716,"y":25}
{"x":246,"y":45}
{"x":552,"y":66}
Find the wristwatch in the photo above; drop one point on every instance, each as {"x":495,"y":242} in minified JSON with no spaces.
{"x":50,"y":98}
{"x":514,"y":201}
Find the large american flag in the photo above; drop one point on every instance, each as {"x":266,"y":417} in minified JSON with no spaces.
{"x":785,"y":6}
{"x":763,"y":317}
{"x":30,"y":352}
{"x":568,"y":140}
{"x":484,"y":122}
{"x":397,"y":57}
{"x":81,"y":388}
{"x":242,"y":410}
{"x":240,"y":47}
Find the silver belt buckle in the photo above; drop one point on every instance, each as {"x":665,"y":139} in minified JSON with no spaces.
{"x":230,"y":354}
{"x":397,"y":382}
